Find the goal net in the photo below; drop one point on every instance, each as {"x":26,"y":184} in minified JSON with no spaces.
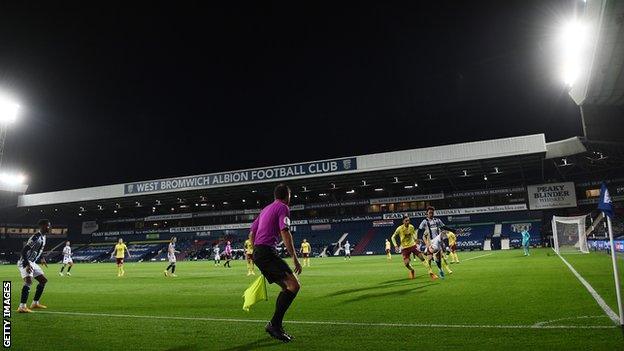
{"x":569,"y":234}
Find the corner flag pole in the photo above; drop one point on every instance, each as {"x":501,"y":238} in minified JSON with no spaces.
{"x":605,"y":205}
{"x":618,"y":292}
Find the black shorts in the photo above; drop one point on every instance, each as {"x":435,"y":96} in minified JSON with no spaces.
{"x":273,"y":268}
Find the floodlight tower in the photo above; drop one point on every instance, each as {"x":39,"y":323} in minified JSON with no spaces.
{"x":8,"y":114}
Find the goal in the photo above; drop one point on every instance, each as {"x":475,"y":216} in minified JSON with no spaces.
{"x":569,"y":234}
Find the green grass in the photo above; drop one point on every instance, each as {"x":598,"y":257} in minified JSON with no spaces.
{"x":502,"y":289}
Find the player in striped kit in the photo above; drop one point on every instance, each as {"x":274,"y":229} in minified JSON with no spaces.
{"x":217,"y":256}
{"x":29,"y":269}
{"x":434,"y":226}
{"x":67,"y":259}
{"x":171,"y":251}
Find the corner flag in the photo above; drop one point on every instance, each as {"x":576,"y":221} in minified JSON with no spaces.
{"x":257,"y":291}
{"x":604,"y":204}
{"x":606,"y":207}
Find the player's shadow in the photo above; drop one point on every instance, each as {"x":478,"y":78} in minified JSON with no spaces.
{"x":382,"y":285}
{"x":254,"y":345}
{"x":410,"y":290}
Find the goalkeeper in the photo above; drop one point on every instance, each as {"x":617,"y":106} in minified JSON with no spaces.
{"x":525,"y":241}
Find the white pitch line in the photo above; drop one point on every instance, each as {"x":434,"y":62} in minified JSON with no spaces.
{"x":360,"y":324}
{"x":472,"y":258}
{"x":568,"y":318}
{"x":601,"y":302}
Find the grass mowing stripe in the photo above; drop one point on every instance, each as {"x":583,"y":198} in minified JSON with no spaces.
{"x":601,"y":302}
{"x":362,"y":324}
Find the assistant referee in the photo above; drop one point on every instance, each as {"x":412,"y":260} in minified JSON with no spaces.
{"x":273,"y":223}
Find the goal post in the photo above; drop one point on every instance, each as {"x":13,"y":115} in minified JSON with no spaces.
{"x":569,"y":234}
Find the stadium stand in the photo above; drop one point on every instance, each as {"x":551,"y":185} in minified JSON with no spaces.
{"x":92,"y":253}
{"x":482,"y":187}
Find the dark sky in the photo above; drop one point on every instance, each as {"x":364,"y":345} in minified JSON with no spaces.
{"x":116,"y":94}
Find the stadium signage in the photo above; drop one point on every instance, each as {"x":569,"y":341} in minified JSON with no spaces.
{"x":336,"y":204}
{"x":383,"y":223}
{"x":459,"y":211}
{"x":423,"y":197}
{"x":242,"y":177}
{"x":113,"y":233}
{"x":89,"y":227}
{"x":552,"y":195}
{"x":485,"y":192}
{"x":595,"y":200}
{"x":206,"y":228}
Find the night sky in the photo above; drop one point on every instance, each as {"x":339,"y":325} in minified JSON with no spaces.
{"x":116,"y":94}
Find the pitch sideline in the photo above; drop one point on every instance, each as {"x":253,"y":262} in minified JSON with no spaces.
{"x":601,"y":302}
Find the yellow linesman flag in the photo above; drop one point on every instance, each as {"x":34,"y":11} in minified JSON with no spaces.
{"x":257,"y":291}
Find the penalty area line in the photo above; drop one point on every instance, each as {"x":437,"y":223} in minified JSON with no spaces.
{"x":335,"y":323}
{"x":472,"y":258}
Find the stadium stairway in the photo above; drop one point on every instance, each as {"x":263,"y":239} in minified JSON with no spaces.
{"x":363,"y":243}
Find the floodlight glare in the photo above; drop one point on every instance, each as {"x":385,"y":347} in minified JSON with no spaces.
{"x":8,"y":110}
{"x":573,"y":42}
{"x":12,"y":179}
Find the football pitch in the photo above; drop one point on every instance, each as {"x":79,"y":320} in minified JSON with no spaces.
{"x":493,"y":300}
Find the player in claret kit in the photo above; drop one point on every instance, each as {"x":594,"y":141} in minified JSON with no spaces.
{"x":305,"y":252}
{"x":452,"y":238}
{"x":407,"y":235}
{"x":119,"y":253}
{"x":388,"y":250}
{"x":248,"y":245}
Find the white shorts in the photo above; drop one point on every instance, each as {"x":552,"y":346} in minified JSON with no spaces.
{"x":172,"y":258}
{"x":67,"y":260}
{"x":217,"y":258}
{"x":435,"y":247}
{"x":36,"y":270}
{"x":347,"y":253}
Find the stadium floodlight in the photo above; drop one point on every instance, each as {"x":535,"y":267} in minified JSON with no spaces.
{"x":352,"y":191}
{"x":12,"y":179}
{"x":379,"y":189}
{"x":573,"y":41}
{"x":408,"y":187}
{"x":8,"y":110}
